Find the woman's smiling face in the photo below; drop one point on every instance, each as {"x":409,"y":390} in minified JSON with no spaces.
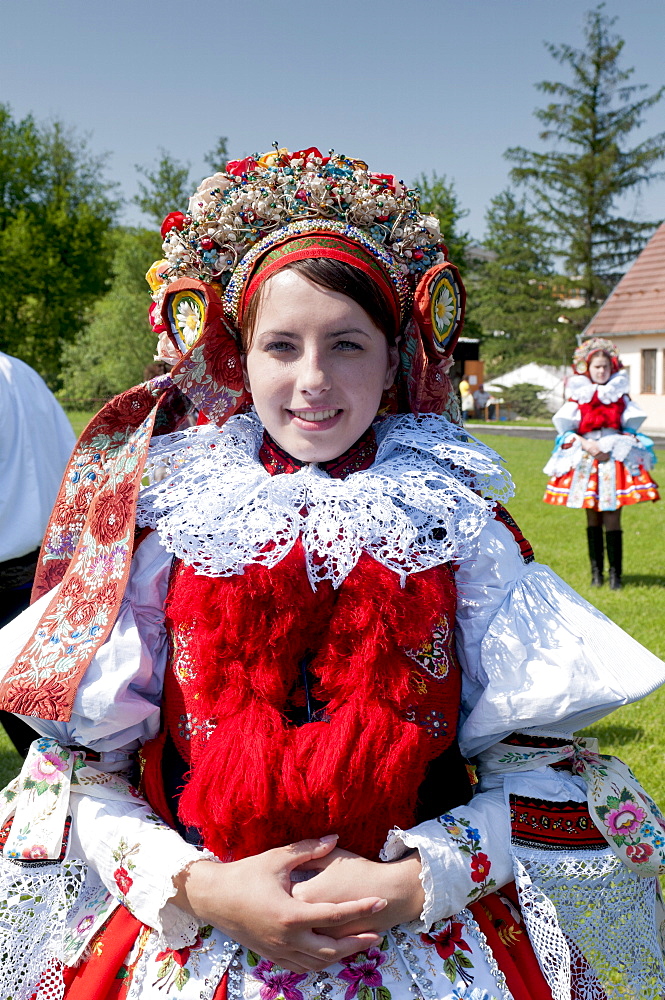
{"x":316,"y":367}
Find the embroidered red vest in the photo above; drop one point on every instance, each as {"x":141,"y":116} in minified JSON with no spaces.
{"x":290,"y":713}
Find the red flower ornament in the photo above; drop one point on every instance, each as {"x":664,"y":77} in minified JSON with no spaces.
{"x":130,"y":408}
{"x":239,"y":167}
{"x":174,"y":220}
{"x":157,"y":324}
{"x":44,"y":701}
{"x":447,"y":940}
{"x":639,"y":853}
{"x":384,"y":180}
{"x":111,"y":514}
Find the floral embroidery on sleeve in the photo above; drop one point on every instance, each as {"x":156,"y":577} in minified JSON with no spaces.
{"x":467,"y":839}
{"x":121,"y":875}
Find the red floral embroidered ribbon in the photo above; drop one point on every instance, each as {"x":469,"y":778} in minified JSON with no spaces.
{"x":87,"y":548}
{"x":628,"y":818}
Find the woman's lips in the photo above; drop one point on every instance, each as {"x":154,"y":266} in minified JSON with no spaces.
{"x":315,"y":420}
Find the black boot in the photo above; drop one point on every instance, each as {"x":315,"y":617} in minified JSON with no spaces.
{"x":614,"y":557}
{"x":595,"y":541}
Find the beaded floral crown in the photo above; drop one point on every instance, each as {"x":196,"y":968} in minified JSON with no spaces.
{"x":231,"y":212}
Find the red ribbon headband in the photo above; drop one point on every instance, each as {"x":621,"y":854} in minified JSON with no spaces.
{"x":321,"y":244}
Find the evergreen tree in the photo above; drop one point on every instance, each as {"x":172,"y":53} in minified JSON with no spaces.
{"x":577,"y":185}
{"x":166,"y":188}
{"x":56,"y":213}
{"x":513,"y":290}
{"x":110,"y":355}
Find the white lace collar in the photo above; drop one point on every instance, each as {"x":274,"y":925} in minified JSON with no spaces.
{"x":417,"y":506}
{"x":581,"y":388}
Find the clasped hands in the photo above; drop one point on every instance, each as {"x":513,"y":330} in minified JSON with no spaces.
{"x":303,"y":925}
{"x":594,"y":449}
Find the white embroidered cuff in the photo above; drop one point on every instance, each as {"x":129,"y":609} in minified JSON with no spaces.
{"x":137,"y":857}
{"x":178,"y":928}
{"x":465,"y":854}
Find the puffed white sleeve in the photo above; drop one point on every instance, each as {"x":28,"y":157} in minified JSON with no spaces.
{"x":567,"y":417}
{"x":633,"y":416}
{"x":535,"y":657}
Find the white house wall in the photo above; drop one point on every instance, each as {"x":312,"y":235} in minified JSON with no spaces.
{"x":630,"y":347}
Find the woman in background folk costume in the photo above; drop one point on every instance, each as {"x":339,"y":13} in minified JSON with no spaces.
{"x":255,"y":706}
{"x":600,"y":462}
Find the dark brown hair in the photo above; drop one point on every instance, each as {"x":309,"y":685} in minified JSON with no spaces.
{"x":336,"y":276}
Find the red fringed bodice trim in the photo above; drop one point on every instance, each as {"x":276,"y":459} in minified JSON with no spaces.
{"x":380,"y":659}
{"x":594,"y":416}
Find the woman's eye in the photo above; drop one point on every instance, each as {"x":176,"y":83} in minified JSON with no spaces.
{"x":348,"y":345}
{"x":279,"y":347}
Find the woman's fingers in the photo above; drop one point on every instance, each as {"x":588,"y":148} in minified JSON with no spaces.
{"x":306,"y":850}
{"x":337,"y":914}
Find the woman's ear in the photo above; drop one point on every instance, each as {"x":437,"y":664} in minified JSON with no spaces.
{"x":393,"y":362}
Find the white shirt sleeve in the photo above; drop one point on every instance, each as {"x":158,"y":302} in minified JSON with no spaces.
{"x":35,"y":445}
{"x":136,"y":856}
{"x":567,"y":417}
{"x":632,"y":417}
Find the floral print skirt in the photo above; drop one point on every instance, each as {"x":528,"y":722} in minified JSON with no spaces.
{"x":480,"y":954}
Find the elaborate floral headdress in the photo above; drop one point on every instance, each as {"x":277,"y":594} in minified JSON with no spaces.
{"x":240,"y":224}
{"x":246,"y":221}
{"x":586,"y":350}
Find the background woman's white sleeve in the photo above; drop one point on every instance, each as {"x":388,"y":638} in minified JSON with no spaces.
{"x":567,"y":417}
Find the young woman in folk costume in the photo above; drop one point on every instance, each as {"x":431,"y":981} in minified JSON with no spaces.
{"x":319,"y":584}
{"x":600,"y":462}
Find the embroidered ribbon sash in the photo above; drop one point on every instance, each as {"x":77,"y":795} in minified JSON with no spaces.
{"x":38,"y":798}
{"x":628,"y":818}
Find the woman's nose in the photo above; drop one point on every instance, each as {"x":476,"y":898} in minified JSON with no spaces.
{"x":313,"y":374}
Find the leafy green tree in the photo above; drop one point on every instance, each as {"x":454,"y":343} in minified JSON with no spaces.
{"x":514,"y":290}
{"x":110,"y":355}
{"x":218,"y":156}
{"x":577,"y":185}
{"x":166,"y":188}
{"x":523,"y":399}
{"x":56,"y":214}
{"x":439,"y":198}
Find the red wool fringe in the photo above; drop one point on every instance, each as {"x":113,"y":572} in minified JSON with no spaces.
{"x":259,"y":782}
{"x":596,"y":415}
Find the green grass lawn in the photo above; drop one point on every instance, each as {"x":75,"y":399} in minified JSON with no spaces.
{"x":637,"y":732}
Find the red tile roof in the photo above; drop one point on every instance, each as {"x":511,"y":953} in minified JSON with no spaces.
{"x":637,"y":304}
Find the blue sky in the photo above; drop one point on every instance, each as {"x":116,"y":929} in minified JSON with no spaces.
{"x":409,"y":87}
